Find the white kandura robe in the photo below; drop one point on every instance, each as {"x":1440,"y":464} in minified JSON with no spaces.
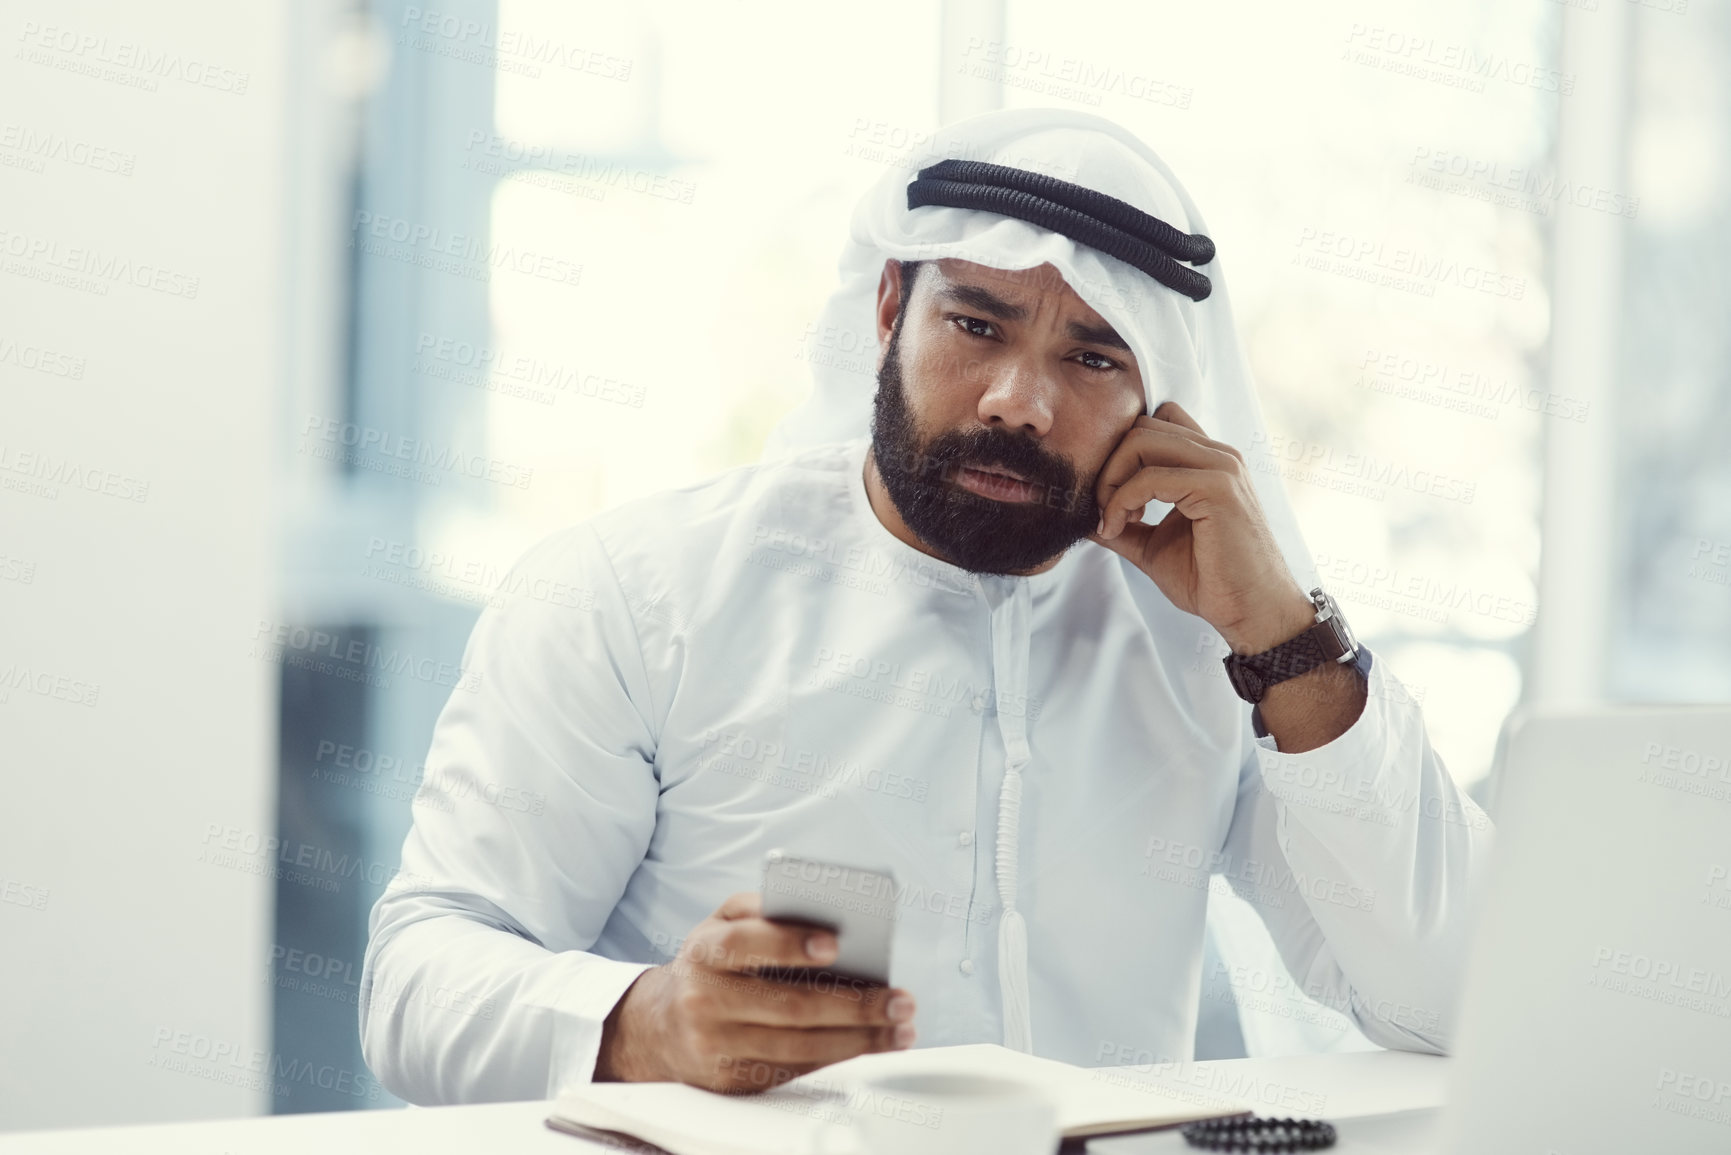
{"x":683,"y":683}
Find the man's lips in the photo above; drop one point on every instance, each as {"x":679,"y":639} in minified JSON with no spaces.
{"x":997,"y":483}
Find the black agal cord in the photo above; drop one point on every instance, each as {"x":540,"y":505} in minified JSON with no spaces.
{"x":1088,"y":217}
{"x":1260,"y":1135}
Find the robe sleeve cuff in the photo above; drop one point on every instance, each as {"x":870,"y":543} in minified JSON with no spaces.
{"x":594,"y":989}
{"x":1266,"y":740}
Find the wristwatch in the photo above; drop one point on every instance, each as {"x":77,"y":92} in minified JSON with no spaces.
{"x":1329,"y":640}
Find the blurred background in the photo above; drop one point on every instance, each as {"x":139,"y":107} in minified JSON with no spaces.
{"x":314,"y":315}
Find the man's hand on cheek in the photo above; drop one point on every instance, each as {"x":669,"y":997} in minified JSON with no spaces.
{"x":1213,"y":555}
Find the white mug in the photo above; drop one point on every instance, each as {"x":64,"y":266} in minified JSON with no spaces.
{"x":953,"y":1114}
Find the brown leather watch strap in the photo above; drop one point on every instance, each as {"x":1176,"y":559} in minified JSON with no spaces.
{"x":1327,"y":640}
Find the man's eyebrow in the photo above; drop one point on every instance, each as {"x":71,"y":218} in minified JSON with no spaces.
{"x":1097,"y":335}
{"x":984,"y":300}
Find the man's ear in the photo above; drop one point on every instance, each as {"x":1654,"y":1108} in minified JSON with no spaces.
{"x":889,"y":303}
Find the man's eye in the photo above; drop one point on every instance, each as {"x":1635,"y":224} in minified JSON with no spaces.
{"x":1094,"y":360}
{"x":968,"y":326}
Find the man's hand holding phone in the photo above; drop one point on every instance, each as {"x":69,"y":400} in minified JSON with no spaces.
{"x":709,"y":1019}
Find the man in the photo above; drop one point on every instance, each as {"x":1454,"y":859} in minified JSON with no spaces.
{"x":981,"y":648}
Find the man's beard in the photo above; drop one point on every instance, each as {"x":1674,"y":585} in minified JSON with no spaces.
{"x":967,"y":529}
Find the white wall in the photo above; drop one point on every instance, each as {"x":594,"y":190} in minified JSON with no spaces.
{"x":128,"y":947}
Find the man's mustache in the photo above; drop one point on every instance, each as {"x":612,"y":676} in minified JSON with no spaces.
{"x":942,"y":462}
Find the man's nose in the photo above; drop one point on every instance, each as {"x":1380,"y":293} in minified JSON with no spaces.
{"x":1019,"y":396}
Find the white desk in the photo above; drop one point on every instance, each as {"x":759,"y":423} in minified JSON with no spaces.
{"x":1342,"y":1086}
{"x":1381,"y":1102}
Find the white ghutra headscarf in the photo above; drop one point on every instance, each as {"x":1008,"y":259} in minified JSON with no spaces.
{"x":1188,"y":351}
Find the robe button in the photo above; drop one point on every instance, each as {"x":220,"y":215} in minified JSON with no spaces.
{"x":979,"y":703}
{"x":967,"y":838}
{"x":966,"y":966}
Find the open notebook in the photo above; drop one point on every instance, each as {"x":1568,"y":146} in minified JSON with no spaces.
{"x":809,"y":1115}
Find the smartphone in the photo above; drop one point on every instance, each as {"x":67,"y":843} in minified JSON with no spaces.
{"x":857,"y":903}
